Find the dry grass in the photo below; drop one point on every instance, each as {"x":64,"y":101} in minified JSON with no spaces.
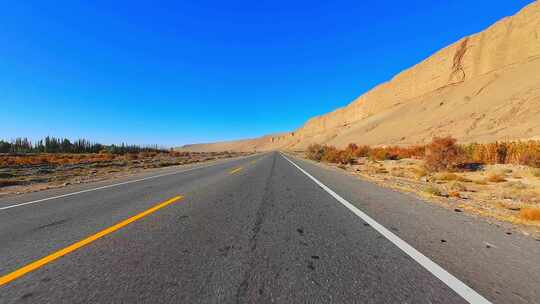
{"x":517,"y":175}
{"x":531,"y":214}
{"x":398,"y":172}
{"x":449,"y":176}
{"x":432,"y":190}
{"x":457,"y":186}
{"x":381,"y":170}
{"x":446,"y":176}
{"x":528,"y":196}
{"x":480,"y":181}
{"x":515,"y":185}
{"x":418,"y":172}
{"x":519,"y":193}
{"x":508,"y":206}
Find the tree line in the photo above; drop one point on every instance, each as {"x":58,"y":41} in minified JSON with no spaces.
{"x":64,"y":145}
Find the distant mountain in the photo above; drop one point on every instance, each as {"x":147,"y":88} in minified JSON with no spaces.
{"x":483,"y":88}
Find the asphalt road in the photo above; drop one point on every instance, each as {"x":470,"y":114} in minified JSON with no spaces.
{"x":255,"y":230}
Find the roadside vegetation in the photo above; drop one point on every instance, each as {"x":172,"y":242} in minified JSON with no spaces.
{"x":500,"y":179}
{"x":443,"y":153}
{"x":53,"y":162}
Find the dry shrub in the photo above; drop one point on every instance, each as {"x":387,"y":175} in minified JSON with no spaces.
{"x":144,"y":155}
{"x":351,"y":148}
{"x":495,"y":178}
{"x":417,"y":152}
{"x":152,"y":154}
{"x":380,"y":154}
{"x":530,"y":158}
{"x":535,"y":172}
{"x":531,"y":214}
{"x":386,"y":153}
{"x":347,"y":159}
{"x":407,"y":152}
{"x":331,"y":154}
{"x":315,"y":152}
{"x":442,"y":154}
{"x":188,"y":154}
{"x":348,"y":156}
{"x":362,"y":151}
{"x":395,"y":152}
{"x":132,"y":156}
{"x":107,"y":157}
{"x":454,"y":194}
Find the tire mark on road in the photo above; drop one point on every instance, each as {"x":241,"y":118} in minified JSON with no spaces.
{"x":262,"y":211}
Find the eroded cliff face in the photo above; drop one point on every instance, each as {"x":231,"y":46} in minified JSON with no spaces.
{"x":510,"y":41}
{"x":469,"y":90}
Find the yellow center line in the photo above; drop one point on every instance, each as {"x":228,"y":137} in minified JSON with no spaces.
{"x":235,"y":170}
{"x":60,"y":253}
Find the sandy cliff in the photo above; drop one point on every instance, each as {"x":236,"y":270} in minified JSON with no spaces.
{"x":483,"y":88}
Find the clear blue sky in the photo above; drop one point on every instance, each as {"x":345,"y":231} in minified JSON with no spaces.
{"x":179,"y":72}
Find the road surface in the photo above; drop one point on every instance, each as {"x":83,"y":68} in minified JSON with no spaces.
{"x":268,"y":228}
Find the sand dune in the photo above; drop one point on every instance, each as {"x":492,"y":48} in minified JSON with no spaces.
{"x":483,"y":88}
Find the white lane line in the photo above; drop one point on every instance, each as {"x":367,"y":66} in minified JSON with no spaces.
{"x":105,"y":187}
{"x":451,"y":281}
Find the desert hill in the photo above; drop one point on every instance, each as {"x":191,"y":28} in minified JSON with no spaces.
{"x":483,"y":88}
